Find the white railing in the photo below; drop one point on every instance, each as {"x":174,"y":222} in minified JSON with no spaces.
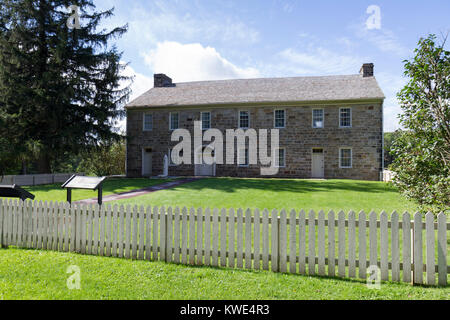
{"x":294,"y":242}
{"x":36,"y":179}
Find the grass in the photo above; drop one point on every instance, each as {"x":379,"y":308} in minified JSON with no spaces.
{"x":33,"y":274}
{"x":281,"y":193}
{"x":54,"y":192}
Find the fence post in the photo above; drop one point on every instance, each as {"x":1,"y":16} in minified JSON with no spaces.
{"x":166,"y":249}
{"x":1,"y":224}
{"x":412,"y":254}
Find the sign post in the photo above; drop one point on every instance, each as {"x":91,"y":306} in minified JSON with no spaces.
{"x":86,"y":183}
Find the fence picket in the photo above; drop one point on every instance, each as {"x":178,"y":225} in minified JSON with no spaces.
{"x":192,"y":237}
{"x":239,"y":241}
{"x":215,"y":238}
{"x":169,"y":236}
{"x":430,"y":243}
{"x":162,"y":230}
{"x":45,"y":211}
{"x":128,"y":216}
{"x":73,"y":221}
{"x":114,"y":251}
{"x":321,"y":242}
{"x":248,"y":239}
{"x":292,"y":242}
{"x":176,"y":232}
{"x":302,"y":242}
{"x":351,"y":244}
{"x":66,"y":227}
{"x":121,"y":226}
{"x":1,"y":223}
{"x":341,"y":244}
{"x":275,"y":253}
{"x":134,"y":234}
{"x":442,"y":249}
{"x":155,"y":230}
{"x":108,"y":227}
{"x":200,"y":236}
{"x":331,"y":244}
{"x":395,"y":249}
{"x":223,"y":238}
{"x":19,"y":224}
{"x":283,"y":241}
{"x":384,"y":246}
{"x":312,"y":243}
{"x":232,"y":236}
{"x":406,"y":231}
{"x":418,"y":256}
{"x":265,"y":239}
{"x":83,"y":229}
{"x":207,"y":237}
{"x":184,"y":235}
{"x":373,"y":245}
{"x":141,"y":232}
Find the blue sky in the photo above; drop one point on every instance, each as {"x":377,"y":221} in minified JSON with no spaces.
{"x":210,"y":40}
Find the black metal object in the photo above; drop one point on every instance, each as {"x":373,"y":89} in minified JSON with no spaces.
{"x":87,"y":183}
{"x":14,"y":191}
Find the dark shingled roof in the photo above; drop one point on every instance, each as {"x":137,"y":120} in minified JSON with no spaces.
{"x":265,"y":90}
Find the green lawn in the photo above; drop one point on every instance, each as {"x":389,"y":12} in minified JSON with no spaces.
{"x":30,"y":274}
{"x":280,"y":193}
{"x":54,"y":192}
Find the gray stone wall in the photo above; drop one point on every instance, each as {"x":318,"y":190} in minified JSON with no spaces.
{"x":298,"y":138}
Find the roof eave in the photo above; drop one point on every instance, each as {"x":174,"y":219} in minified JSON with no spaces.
{"x":262,"y":103}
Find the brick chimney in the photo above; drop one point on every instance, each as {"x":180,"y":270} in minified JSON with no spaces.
{"x":161,"y":80}
{"x":367,"y":70}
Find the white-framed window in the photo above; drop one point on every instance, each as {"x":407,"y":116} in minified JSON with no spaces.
{"x":174,"y":120}
{"x":345,"y":117}
{"x":281,"y":161}
{"x":147,"y":122}
{"x":345,"y":158}
{"x":279,"y":116}
{"x":244,"y":119}
{"x":318,"y":118}
{"x":206,"y":120}
{"x":243,"y":157}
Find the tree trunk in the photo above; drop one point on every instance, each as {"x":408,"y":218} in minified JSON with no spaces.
{"x":43,"y":163}
{"x":24,"y":168}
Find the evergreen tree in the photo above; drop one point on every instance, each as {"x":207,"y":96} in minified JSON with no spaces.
{"x":60,"y":87}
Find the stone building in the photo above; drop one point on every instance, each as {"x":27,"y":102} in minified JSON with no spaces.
{"x":329,"y":127}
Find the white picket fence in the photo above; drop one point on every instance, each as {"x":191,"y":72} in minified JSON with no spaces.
{"x":36,"y":179}
{"x":294,"y":242}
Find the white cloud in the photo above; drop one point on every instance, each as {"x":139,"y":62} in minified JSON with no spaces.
{"x":141,"y":82}
{"x":140,"y":85}
{"x":391,"y":84}
{"x":320,"y":61}
{"x":193,"y":62}
{"x":383,"y":39}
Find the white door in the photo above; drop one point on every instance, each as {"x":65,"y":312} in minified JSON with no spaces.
{"x":146,"y":163}
{"x":318,"y":164}
{"x":207,"y":166}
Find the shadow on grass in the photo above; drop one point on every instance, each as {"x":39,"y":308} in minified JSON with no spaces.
{"x":109,"y":186}
{"x":231,"y":185}
{"x":236,"y":270}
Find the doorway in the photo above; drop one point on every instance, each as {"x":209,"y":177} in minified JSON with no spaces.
{"x":318,"y":164}
{"x":147,"y":155}
{"x":207,"y":167}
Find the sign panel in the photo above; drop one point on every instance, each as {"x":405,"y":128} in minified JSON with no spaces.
{"x":13,"y":191}
{"x":80,"y":182}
